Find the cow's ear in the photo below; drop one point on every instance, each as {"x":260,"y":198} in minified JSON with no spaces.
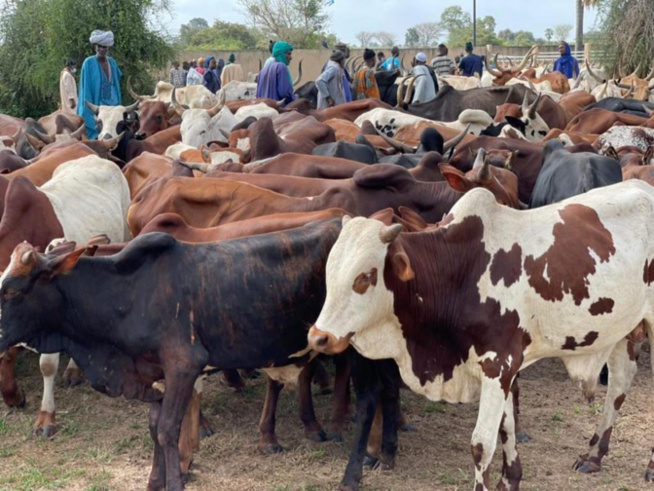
{"x":455,"y":178}
{"x":402,"y":266}
{"x":649,"y":155}
{"x":612,"y":153}
{"x":64,"y":264}
{"x":385,"y":216}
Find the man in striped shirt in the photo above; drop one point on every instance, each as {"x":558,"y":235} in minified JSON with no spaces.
{"x":443,"y":64}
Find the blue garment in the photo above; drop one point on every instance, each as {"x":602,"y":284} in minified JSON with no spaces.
{"x":274,"y":83}
{"x":347,"y":88}
{"x":210,"y":79}
{"x":391,"y":63}
{"x":471,"y":64}
{"x":567,"y":64}
{"x":98,"y":89}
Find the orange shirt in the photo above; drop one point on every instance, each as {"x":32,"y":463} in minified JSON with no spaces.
{"x":366,"y":84}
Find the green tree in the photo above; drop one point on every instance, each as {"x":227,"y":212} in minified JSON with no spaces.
{"x":411,"y":38}
{"x":225,"y":36}
{"x":549,"y":34}
{"x":299,"y":22}
{"x":458,"y":24}
{"x":38,"y":35}
{"x":562,"y":31}
{"x":187,"y":31}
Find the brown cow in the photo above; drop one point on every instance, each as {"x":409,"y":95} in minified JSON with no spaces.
{"x":598,"y":121}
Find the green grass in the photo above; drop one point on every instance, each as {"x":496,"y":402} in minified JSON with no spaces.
{"x":557,"y":418}
{"x":30,"y":477}
{"x":434,"y":407}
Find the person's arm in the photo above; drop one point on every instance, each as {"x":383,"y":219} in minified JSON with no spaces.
{"x":284,"y":86}
{"x":322,"y":81}
{"x":452,"y":66}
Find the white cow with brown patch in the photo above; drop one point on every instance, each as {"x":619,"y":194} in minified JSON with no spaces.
{"x":463,"y":307}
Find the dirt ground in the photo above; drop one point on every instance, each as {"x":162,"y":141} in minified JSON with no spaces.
{"x":103,"y":443}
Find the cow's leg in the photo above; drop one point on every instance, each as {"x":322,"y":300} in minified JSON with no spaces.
{"x":234,"y":380}
{"x":72,"y":375}
{"x":321,"y":378}
{"x":390,"y":402}
{"x":179,"y":388}
{"x":373,"y":448}
{"x":11,"y":393}
{"x":205,"y":430}
{"x":157,"y":480}
{"x":312,"y":429}
{"x":267,"y":438}
{"x":45,"y":421}
{"x":341,"y":397}
{"x":622,"y":368}
{"x":511,"y":467}
{"x":521,"y":435}
{"x":484,"y":437}
{"x":189,"y":437}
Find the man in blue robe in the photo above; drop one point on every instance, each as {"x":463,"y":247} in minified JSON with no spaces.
{"x":566,"y":63}
{"x":99,"y":81}
{"x":275,"y":80}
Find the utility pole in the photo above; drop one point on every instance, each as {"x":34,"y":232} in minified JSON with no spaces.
{"x":474,"y":23}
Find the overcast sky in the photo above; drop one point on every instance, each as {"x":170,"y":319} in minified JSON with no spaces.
{"x":350,"y":17}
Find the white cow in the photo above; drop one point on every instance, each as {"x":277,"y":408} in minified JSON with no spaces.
{"x":108,"y":117}
{"x":464,"y":306}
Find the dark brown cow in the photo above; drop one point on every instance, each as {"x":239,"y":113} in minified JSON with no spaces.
{"x":157,"y":143}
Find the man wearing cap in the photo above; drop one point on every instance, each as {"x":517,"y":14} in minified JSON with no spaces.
{"x":425,"y":86}
{"x":68,"y":88}
{"x":275,"y":80}
{"x":99,"y":81}
{"x":393,"y":62}
{"x":330,"y":82}
{"x":366,"y":83}
{"x":470,"y":63}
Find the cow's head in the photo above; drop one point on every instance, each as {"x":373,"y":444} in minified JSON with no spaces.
{"x":26,"y":296}
{"x":359,"y":305}
{"x":154,"y":116}
{"x":202,"y":126}
{"x":502,"y":76}
{"x":107,"y":118}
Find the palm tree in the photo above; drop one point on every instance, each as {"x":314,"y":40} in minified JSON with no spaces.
{"x":579,"y":35}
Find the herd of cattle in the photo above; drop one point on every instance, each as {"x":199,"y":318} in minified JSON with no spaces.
{"x":451,"y":243}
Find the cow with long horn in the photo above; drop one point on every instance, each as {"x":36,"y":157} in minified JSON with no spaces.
{"x":502,"y":76}
{"x":642,"y":87}
{"x":275,"y":80}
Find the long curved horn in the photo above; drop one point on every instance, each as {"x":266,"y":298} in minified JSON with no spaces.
{"x":635,"y":72}
{"x":531,"y":113}
{"x":494,"y":73}
{"x":179,"y":109}
{"x":602,"y":94}
{"x":409,"y":91}
{"x":299,"y":75}
{"x":44,"y":136}
{"x":623,"y":86}
{"x":451,"y":144}
{"x":36,"y":143}
{"x":620,"y":70}
{"x":212,"y":111}
{"x":397,"y":145}
{"x":400,"y":87}
{"x":510,"y":61}
{"x":650,"y":75}
{"x":133,"y":93}
{"x":92,"y":107}
{"x":484,"y":175}
{"x":78,"y":133}
{"x":593,"y":74}
{"x":547,"y":67}
{"x":404,"y":70}
{"x":479,"y":159}
{"x":524,"y":61}
{"x":631,"y":91}
{"x":132,"y":107}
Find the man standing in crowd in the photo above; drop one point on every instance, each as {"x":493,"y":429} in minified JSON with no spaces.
{"x":366,"y":83}
{"x":68,"y":87}
{"x":443,"y":64}
{"x":275,"y":80}
{"x":330,"y":82}
{"x":393,"y":62}
{"x":176,"y":75}
{"x":211,"y":78}
{"x":381,"y":57}
{"x":425,"y":85}
{"x":99,"y":82}
{"x":347,"y":79}
{"x":470,"y":63}
{"x":194,"y":77}
{"x":566,"y":63}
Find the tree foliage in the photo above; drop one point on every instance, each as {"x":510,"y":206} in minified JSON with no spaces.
{"x":458,"y":24}
{"x":385,"y":39}
{"x":224,"y":36}
{"x":562,"y":32}
{"x":302,"y":23}
{"x":39,"y":35}
{"x":627,"y":34}
{"x":518,"y":38}
{"x":365,"y":38}
{"x":423,"y":35}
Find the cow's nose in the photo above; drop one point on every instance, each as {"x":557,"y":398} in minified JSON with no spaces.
{"x":321,"y":341}
{"x":106,"y":136}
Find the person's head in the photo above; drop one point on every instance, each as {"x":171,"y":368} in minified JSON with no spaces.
{"x":176,"y":65}
{"x":469,"y":47}
{"x":193,"y":63}
{"x":232,"y":58}
{"x":564,"y":48}
{"x":220,"y":63}
{"x":369,"y":57}
{"x":185,"y":65}
{"x":271,"y":45}
{"x":212,"y":63}
{"x":71,"y":65}
{"x":201,"y":62}
{"x":442,"y":50}
{"x":282,"y":52}
{"x":343,"y":48}
{"x":381,"y":56}
{"x":338,"y":56}
{"x":102,"y":41}
{"x":420,"y":59}
{"x":395,"y":51}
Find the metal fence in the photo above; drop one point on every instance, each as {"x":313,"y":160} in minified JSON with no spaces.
{"x":551,"y":56}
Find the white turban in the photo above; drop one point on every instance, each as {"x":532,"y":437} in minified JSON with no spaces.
{"x":103,"y":38}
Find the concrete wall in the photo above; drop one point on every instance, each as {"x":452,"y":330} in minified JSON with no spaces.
{"x":314,"y":59}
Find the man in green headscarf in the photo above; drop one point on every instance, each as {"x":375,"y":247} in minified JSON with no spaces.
{"x":275,"y":80}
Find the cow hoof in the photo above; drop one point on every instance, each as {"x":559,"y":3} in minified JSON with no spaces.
{"x":49,"y":431}
{"x":316,"y":436}
{"x":649,"y":475}
{"x":336,"y":438}
{"x":383,"y":466}
{"x":586,"y":466}
{"x":369,"y":461}
{"x":348,"y":487}
{"x":522,"y":437}
{"x":72,"y":377}
{"x":272,"y":448}
{"x":408,"y":428}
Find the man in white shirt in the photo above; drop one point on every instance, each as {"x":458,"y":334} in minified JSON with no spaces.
{"x":425,"y":88}
{"x":68,"y":88}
